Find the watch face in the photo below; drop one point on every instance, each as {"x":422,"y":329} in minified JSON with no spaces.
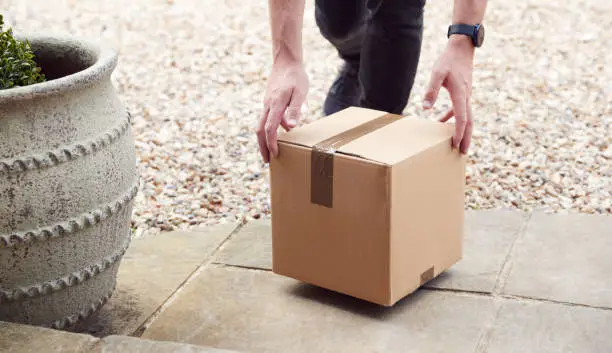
{"x":480,"y":33}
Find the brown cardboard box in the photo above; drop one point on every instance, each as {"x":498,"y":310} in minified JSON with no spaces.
{"x":367,"y":203}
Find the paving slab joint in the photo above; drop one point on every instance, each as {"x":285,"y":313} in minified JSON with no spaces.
{"x":504,"y":273}
{"x":484,"y":340}
{"x":203,"y":265}
{"x":243,"y":267}
{"x":552,"y":301}
{"x":97,"y":346}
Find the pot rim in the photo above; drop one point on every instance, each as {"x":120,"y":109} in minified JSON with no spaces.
{"x":105,"y":62}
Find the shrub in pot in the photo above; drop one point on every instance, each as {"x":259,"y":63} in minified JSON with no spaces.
{"x":68,"y":177}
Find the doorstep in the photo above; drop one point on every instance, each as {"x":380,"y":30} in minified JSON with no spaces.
{"x":17,"y":338}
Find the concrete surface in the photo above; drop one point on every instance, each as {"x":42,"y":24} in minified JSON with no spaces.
{"x":542,"y":327}
{"x":19,"y":338}
{"x":122,"y":344}
{"x":489,"y":236}
{"x":152,"y":269}
{"x":488,"y":302}
{"x":256,"y":311}
{"x":564,"y":258}
{"x":528,"y":283}
{"x":251,"y":247}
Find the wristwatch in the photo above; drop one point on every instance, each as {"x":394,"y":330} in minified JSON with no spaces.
{"x":476,"y":32}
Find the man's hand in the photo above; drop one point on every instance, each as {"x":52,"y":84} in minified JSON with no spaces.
{"x":286,"y":92}
{"x":453,"y":70}
{"x":288,"y":83}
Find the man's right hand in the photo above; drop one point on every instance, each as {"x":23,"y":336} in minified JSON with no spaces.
{"x":286,"y":92}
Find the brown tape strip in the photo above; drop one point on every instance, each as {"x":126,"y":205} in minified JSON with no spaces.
{"x":427,"y":275}
{"x":322,"y":158}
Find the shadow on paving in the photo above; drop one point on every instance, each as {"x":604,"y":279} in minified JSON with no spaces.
{"x":351,"y":304}
{"x":112,"y":319}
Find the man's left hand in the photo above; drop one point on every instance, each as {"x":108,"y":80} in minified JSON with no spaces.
{"x":453,"y":70}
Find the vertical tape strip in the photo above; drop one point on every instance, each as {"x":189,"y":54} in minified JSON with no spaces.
{"x":322,"y":158}
{"x":321,"y":177}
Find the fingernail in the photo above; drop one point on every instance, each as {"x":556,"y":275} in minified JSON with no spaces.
{"x":292,"y":122}
{"x":426,"y":104}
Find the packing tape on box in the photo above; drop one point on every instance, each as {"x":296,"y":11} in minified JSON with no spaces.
{"x":322,"y":158}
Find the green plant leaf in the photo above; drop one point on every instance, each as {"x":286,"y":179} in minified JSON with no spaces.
{"x":17,"y":61}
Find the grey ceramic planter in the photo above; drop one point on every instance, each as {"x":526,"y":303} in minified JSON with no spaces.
{"x":68,"y":177}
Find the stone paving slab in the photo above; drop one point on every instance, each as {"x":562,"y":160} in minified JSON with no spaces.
{"x":258,"y":311}
{"x":488,"y":239}
{"x":250,"y":247}
{"x":152,"y":269}
{"x":564,"y":258}
{"x":19,"y":338}
{"x":122,"y":344}
{"x":550,"y":328}
{"x":16,"y":338}
{"x":489,"y":236}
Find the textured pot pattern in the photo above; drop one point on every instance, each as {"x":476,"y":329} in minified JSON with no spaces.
{"x":68,"y":177}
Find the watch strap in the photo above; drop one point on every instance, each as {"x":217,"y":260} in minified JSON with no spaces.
{"x":461,"y":28}
{"x":465,"y":29}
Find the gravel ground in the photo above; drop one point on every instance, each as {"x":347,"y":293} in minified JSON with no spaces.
{"x":193,"y":73}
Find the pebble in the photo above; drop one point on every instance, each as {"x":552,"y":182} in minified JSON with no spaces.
{"x":542,"y":112}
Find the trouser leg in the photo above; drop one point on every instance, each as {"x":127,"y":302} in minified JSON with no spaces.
{"x":380,"y":40}
{"x":342,"y":23}
{"x":390,"y":53}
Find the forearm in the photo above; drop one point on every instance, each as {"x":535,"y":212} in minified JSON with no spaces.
{"x":286,"y":20}
{"x":469,"y":11}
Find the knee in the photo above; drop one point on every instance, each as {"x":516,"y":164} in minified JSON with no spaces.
{"x":339,"y":29}
{"x":401,"y":17}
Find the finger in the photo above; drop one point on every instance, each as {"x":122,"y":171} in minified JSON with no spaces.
{"x":285,"y":121}
{"x":467,"y":137}
{"x":271,"y":128}
{"x":449,"y":114}
{"x":435,"y":83}
{"x":261,"y":135}
{"x":459,"y":99}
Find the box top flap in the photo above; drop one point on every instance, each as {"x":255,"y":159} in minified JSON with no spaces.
{"x":319,"y":130}
{"x":400,"y":140}
{"x":370,"y":134}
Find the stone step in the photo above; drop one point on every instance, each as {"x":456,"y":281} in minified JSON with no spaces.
{"x":17,"y":338}
{"x":152,"y":270}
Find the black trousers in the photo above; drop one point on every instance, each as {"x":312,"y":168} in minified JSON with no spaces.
{"x":384,"y":38}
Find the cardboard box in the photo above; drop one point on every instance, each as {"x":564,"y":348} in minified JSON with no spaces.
{"x":368,"y":204}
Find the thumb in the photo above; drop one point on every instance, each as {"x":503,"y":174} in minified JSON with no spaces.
{"x":435,"y":83}
{"x":292,"y":115}
{"x":293,"y":112}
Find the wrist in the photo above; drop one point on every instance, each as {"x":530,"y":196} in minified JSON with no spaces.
{"x":287,"y":62}
{"x":287,"y":56}
{"x":461,"y":42}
